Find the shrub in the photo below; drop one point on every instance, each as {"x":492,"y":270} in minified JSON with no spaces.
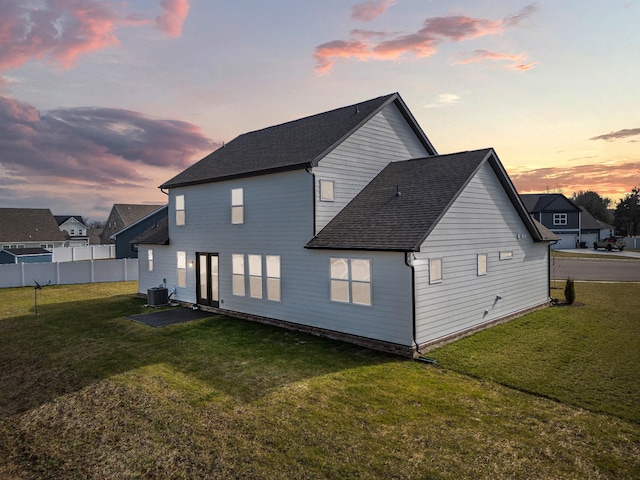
{"x":569,"y":291}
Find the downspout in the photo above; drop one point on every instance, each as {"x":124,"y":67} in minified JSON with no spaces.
{"x":549,"y":268}
{"x":309,"y":170}
{"x":409,"y":263}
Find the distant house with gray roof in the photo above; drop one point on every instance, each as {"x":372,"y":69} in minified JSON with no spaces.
{"x":76,"y":232}
{"x":29,"y":228}
{"x":348,"y":224}
{"x":127,"y":221}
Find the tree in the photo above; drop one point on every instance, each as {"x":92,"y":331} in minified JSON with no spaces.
{"x":594,"y":204}
{"x":627,"y":214}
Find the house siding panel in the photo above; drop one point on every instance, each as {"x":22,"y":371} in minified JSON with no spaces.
{"x":279,"y":221}
{"x":485,"y":217}
{"x":385,"y":138}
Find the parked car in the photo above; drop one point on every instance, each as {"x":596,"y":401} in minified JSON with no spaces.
{"x":610,"y":243}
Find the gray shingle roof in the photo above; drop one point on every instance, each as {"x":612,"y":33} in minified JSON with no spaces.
{"x":157,"y":234}
{"x":380,"y":219}
{"x":131,"y":213}
{"x":296,"y":144}
{"x":540,"y":202}
{"x":29,"y":225}
{"x":589,"y":222}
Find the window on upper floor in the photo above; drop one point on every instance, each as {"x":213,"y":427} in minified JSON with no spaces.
{"x":559,"y":218}
{"x":327,"y":190}
{"x":351,"y":280}
{"x":482,"y":264}
{"x":180,"y":210}
{"x":237,"y":206}
{"x":72,"y":232}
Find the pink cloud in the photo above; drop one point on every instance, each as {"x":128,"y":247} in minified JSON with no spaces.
{"x":609,"y":179}
{"x":369,"y":10}
{"x":173,"y":16}
{"x":423,"y":43}
{"x":91,"y":145}
{"x":62,"y":31}
{"x":482,"y":55}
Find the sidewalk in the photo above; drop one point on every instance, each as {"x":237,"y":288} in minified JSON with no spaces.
{"x":600,"y":251}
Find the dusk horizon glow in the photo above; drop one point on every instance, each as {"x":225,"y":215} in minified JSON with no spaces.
{"x":102,"y":102}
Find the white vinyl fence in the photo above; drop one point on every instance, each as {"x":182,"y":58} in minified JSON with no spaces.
{"x":65,"y":273}
{"x":91,"y":252}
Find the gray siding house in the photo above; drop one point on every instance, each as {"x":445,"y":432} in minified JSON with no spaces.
{"x":559,"y":214}
{"x":348,"y":224}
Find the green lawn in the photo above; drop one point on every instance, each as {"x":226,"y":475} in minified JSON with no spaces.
{"x":86,"y":393}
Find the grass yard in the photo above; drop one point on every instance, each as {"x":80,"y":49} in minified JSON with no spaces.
{"x":86,"y":393}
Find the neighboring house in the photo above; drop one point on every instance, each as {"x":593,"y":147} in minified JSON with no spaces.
{"x":593,"y":229}
{"x":122,"y":239}
{"x":29,"y":228}
{"x":559,"y":214}
{"x":348,"y":224}
{"x":25,"y":255}
{"x":121,"y":216}
{"x":77,"y":232}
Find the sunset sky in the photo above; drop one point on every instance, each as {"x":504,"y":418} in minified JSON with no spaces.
{"x":102,"y":101}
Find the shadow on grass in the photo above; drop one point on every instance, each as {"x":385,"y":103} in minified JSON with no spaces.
{"x":71,"y":345}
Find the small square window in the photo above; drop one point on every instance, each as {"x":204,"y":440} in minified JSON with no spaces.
{"x":327,"y":190}
{"x":482,"y":264}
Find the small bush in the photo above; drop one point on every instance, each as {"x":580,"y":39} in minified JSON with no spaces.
{"x":569,"y":292}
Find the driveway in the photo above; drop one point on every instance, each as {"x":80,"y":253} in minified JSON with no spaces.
{"x":597,"y":269}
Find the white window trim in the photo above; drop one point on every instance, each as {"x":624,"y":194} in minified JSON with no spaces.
{"x":506,"y":255}
{"x":560,"y":219}
{"x":327,"y":198}
{"x":255,"y":275}
{"x":273,"y":275}
{"x":180,"y":211}
{"x":238,"y":275}
{"x":181,"y":267}
{"x":150,"y":260}
{"x":347,"y":279}
{"x":482,"y":264}
{"x":435,"y":270}
{"x":237,"y":206}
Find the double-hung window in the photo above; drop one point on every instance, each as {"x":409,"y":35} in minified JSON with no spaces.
{"x":150,"y":260}
{"x":182,"y":268}
{"x":237,"y":206}
{"x":351,"y":280}
{"x":273,"y":277}
{"x":255,"y":276}
{"x":180,"y":212}
{"x":238,"y":274}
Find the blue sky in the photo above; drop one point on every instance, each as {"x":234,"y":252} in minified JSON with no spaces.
{"x":102,"y":101}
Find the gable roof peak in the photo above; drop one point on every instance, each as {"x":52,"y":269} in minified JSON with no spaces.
{"x":291,"y":145}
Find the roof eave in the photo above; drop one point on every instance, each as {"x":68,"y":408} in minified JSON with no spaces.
{"x":256,"y":173}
